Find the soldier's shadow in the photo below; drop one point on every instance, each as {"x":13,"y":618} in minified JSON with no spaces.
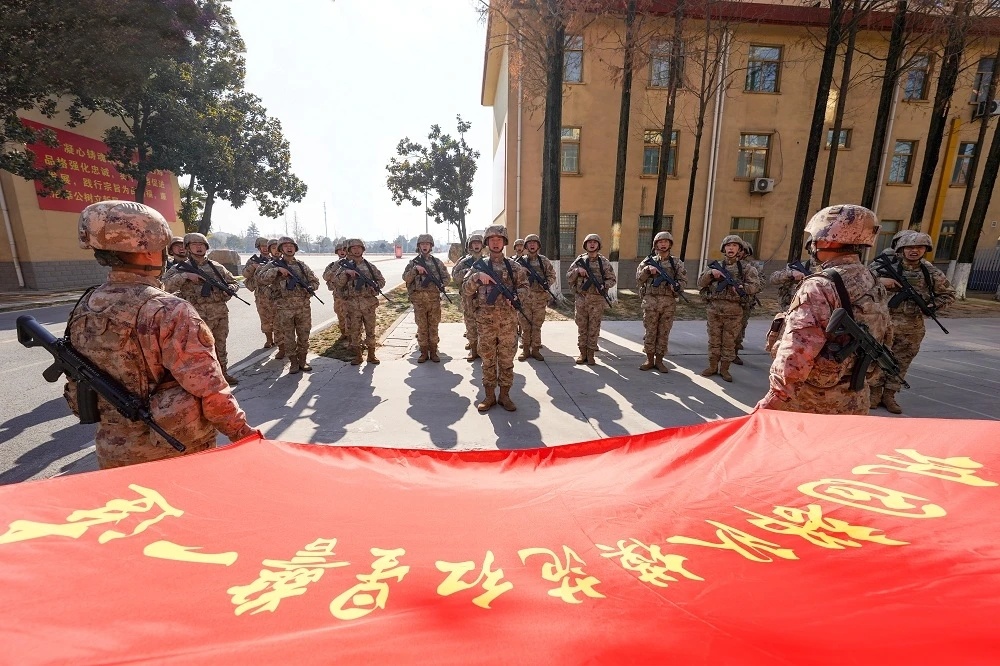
{"x":61,"y":443}
{"x":434,"y":402}
{"x":515,"y":430}
{"x":341,"y":403}
{"x":576,"y":390}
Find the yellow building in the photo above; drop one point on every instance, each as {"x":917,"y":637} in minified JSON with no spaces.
{"x":754,"y":138}
{"x":38,"y":235}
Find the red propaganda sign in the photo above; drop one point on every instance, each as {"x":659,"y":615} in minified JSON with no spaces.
{"x":773,"y":538}
{"x":90,"y":178}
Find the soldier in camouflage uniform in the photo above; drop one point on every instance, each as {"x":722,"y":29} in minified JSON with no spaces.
{"x":541,"y":278}
{"x":474,"y":250}
{"x":805,"y":376}
{"x":908,"y":327}
{"x":339,"y":299}
{"x":362,"y":299}
{"x":589,"y":306}
{"x":425,"y":296}
{"x":659,"y":302}
{"x":209,"y":301}
{"x":270,"y":295}
{"x":176,"y":251}
{"x":749,"y":304}
{"x":292,"y":309}
{"x":518,"y":249}
{"x":265,"y":307}
{"x":787,"y":280}
{"x":496,"y":317}
{"x":152,"y":343}
{"x":725,"y":307}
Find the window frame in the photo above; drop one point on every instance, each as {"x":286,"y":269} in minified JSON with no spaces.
{"x":962,"y":163}
{"x":885,"y":235}
{"x":643,"y":248}
{"x":569,"y":51}
{"x":760,"y":62}
{"x":979,"y":86}
{"x":564,"y":218}
{"x":735,"y":230}
{"x":563,"y":143}
{"x":741,"y":149}
{"x":911,"y":156}
{"x":664,"y":56}
{"x":942,"y":236}
{"x":653,"y":140}
{"x":926,"y":83}
{"x":847,"y":132}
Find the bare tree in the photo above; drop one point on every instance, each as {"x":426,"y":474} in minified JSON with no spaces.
{"x":676,"y":53}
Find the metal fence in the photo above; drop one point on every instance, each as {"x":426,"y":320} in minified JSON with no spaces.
{"x":985,"y":274}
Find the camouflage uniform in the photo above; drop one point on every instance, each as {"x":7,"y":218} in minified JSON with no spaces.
{"x":265,"y":307}
{"x":497,"y":323}
{"x":151,"y":342}
{"x":659,"y":303}
{"x":181,"y":254}
{"x":292,"y":308}
{"x":787,"y":284}
{"x":725,"y":311}
{"x":426,"y":299}
{"x":360,"y":306}
{"x":458,"y":274}
{"x":748,"y":305}
{"x":590,"y":304}
{"x":536,"y":300}
{"x":339,"y":298}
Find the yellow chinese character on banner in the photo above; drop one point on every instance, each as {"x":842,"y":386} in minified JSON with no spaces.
{"x":64,"y":177}
{"x":85,"y":168}
{"x":749,"y":546}
{"x":88,"y":182}
{"x":91,"y":155}
{"x":168,"y":550}
{"x":489,"y":577}
{"x":652,"y":564}
{"x":570,"y":575}
{"x":101,"y":157}
{"x":74,"y":165}
{"x":163,"y":196}
{"x":49,"y":160}
{"x":285,"y":578}
{"x":961,"y":469}
{"x":68,"y":147}
{"x":105,"y":172}
{"x":870,"y":497}
{"x":814,"y":527}
{"x":114,"y":512}
{"x":372,"y":592}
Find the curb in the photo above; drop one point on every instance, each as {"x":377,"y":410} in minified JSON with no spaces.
{"x":29,"y":305}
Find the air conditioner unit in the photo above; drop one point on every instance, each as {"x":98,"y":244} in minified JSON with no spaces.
{"x":987,"y":108}
{"x":761,"y":185}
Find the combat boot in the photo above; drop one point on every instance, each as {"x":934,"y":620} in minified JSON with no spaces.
{"x":489,"y":400}
{"x":737,"y":360}
{"x":876,"y":397}
{"x":649,"y":364}
{"x":423,"y":355}
{"x":281,"y":351}
{"x":590,"y":357}
{"x":268,"y":340}
{"x":434,"y":354}
{"x":505,"y":400}
{"x":358,"y":358}
{"x":659,"y":364}
{"x":536,"y":354}
{"x":724,"y":371}
{"x":713,"y":367}
{"x":294,"y":370}
{"x":889,"y":400}
{"x":303,"y":363}
{"x":371,"y":355}
{"x":232,"y":381}
{"x":523,"y":356}
{"x":473,"y":354}
{"x":582,"y":358}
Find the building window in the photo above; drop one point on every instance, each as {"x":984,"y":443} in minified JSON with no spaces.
{"x":902,"y":161}
{"x":567,"y":235}
{"x":659,"y":63}
{"x":946,"y":239}
{"x":645,"y":241}
{"x":917,"y":77}
{"x":652,"y":141}
{"x":752,"y":161}
{"x":747,"y":228}
{"x":573,"y":59}
{"x":845,"y":139}
{"x":569,"y":150}
{"x":886,"y":230}
{"x":763,"y":69}
{"x":966,"y":151}
{"x":981,"y":85}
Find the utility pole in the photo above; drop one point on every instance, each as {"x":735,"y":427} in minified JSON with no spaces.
{"x":326,"y":230}
{"x":426,"y":228}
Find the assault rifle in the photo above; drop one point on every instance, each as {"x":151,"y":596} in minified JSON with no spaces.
{"x":727,"y":279}
{"x":363,"y":280}
{"x":582,"y":262}
{"x":210,"y":282}
{"x":799,"y":266}
{"x":90,"y":382}
{"x":533,"y":276}
{"x":429,"y":277}
{"x":864,"y":345}
{"x":662,"y":276}
{"x":294,"y":280}
{"x":499,"y":288}
{"x":885,"y":267}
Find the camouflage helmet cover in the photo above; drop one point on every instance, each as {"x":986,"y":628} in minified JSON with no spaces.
{"x":272,"y":242}
{"x":425,"y":238}
{"x":351,"y":242}
{"x":519,"y":241}
{"x":195,"y":238}
{"x":341,"y":245}
{"x":663,"y":235}
{"x":732,"y":238}
{"x":593,"y":237}
{"x":176,"y":240}
{"x":472,"y":239}
{"x":532,"y":237}
{"x":915,"y":239}
{"x":260,"y":241}
{"x":287,"y":239}
{"x":846,"y":224}
{"x":122,"y":226}
{"x":496,"y":230}
{"x":899,"y":235}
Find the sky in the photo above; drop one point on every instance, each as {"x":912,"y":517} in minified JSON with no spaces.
{"x":348,"y":79}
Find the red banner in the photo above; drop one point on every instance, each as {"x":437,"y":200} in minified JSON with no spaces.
{"x":90,"y":177}
{"x":774,"y":538}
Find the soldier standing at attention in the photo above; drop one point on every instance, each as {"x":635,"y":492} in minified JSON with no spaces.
{"x":362,"y":298}
{"x":210,"y":301}
{"x":805,"y":375}
{"x":748,"y":305}
{"x":177,"y":253}
{"x":474,"y":250}
{"x":425,"y":296}
{"x":787,"y":280}
{"x":659,"y":299}
{"x":541,"y":278}
{"x":590,"y":301}
{"x":152,"y":343}
{"x":293,"y":314}
{"x":339,"y":299}
{"x":265,"y":309}
{"x":725,"y":305}
{"x":908,"y":328}
{"x":518,"y":249}
{"x":496,"y":316}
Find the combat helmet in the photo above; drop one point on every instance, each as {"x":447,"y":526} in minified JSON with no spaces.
{"x":915,"y":239}
{"x":195,"y":238}
{"x":519,"y":241}
{"x":351,"y":242}
{"x":846,"y":224}
{"x":899,"y":235}
{"x":425,"y":238}
{"x":593,"y":237}
{"x":532,"y":237}
{"x":174,"y":241}
{"x":341,"y":245}
{"x":473,"y":238}
{"x":496,"y":230}
{"x":260,"y":241}
{"x":122,"y":226}
{"x":663,"y":235}
{"x":287,"y":239}
{"x":732,"y":238}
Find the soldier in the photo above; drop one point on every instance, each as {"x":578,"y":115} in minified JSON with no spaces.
{"x":210,"y":301}
{"x":518,"y":249}
{"x":152,"y":343}
{"x":339,"y":298}
{"x":362,"y":298}
{"x":177,"y":253}
{"x":805,"y":375}
{"x":293,"y":314}
{"x":590,"y":301}
{"x":425,"y":296}
{"x":748,"y":306}
{"x":269,"y":292}
{"x":265,"y":308}
{"x":659,"y":301}
{"x":908,"y":327}
{"x":787,"y":280}
{"x":541,"y":278}
{"x":725,"y":306}
{"x":496,"y":316}
{"x":474,"y":250}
